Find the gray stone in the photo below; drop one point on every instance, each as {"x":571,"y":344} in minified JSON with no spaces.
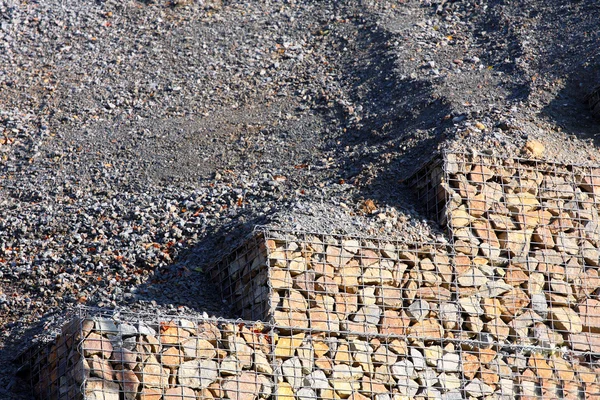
{"x":306,"y":394}
{"x":403,"y":369}
{"x":292,"y":372}
{"x":450,"y":362}
{"x":316,"y":380}
{"x":476,"y":388}
{"x":418,"y":310}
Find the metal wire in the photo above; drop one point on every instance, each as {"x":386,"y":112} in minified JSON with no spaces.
{"x":509,"y":308}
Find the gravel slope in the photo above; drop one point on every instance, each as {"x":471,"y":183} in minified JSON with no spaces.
{"x":140,"y":140}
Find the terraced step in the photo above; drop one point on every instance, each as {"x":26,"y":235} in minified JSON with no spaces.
{"x":508,"y":309}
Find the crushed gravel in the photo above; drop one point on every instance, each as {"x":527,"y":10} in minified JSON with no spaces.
{"x":139,"y":140}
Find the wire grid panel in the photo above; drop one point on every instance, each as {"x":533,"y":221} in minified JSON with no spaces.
{"x":242,"y":277}
{"x":347,"y":285}
{"x":179,"y":357}
{"x":526,"y":240}
{"x":161,"y":357}
{"x":52,"y":367}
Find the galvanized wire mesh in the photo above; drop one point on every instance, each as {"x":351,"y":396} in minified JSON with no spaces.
{"x":508,"y":309}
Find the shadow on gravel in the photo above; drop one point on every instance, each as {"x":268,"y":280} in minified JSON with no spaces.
{"x":569,"y":109}
{"x":395,"y":124}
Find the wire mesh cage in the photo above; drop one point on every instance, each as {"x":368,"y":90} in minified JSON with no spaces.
{"x":509,"y":308}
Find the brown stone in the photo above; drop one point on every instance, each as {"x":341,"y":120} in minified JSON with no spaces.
{"x":347,"y":277}
{"x":485,"y":232}
{"x":515,"y":276}
{"x":376,"y":276}
{"x":488,"y":376}
{"x":171,"y":357}
{"x":100,"y":368}
{"x":280,"y":279}
{"x":394,"y":323}
{"x":497,"y":328}
{"x":514,"y":301}
{"x":290,"y":320}
{"x":428,"y":329}
{"x":542,"y":238}
{"x":171,"y":334}
{"x":460,"y":217}
{"x":486,"y":355}
{"x":285,"y":346}
{"x":516,"y":243}
{"x":242,"y":387}
{"x":585,"y":341}
{"x":345,"y":304}
{"x":390,"y":297}
{"x":179,"y":393}
{"x":563,"y":368}
{"x":538,"y":364}
{"x":434,"y":293}
{"x":470,"y":365}
{"x":323,"y":320}
{"x":150,"y":394}
{"x":152,"y":374}
{"x":565,"y":319}
{"x":589,"y":311}
{"x":97,"y":344}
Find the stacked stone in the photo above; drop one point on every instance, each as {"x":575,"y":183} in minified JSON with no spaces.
{"x":346,"y":286}
{"x":172,"y":360}
{"x":242,"y":277}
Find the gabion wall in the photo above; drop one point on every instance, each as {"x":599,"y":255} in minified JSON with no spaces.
{"x":510,"y":308}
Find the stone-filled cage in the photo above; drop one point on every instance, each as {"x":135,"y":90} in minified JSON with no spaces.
{"x":507,"y":308}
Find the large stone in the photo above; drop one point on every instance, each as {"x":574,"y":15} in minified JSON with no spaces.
{"x":96,"y":344}
{"x":589,"y":311}
{"x":289,"y":320}
{"x":565,"y":319}
{"x":306,"y":394}
{"x":198,"y":374}
{"x":428,"y":329}
{"x":403,"y":369}
{"x":152,"y":374}
{"x":280,"y":279}
{"x":476,"y":388}
{"x":294,"y":301}
{"x":390,"y":297}
{"x":98,"y":389}
{"x":449,"y":362}
{"x":585,"y":341}
{"x":245,"y":386}
{"x":449,"y":315}
{"x":362,"y":353}
{"x":292,"y":372}
{"x":316,"y":380}
{"x":394,"y":323}
{"x":100,"y":368}
{"x":345,"y":379}
{"x":124,"y":357}
{"x":323,"y":320}
{"x":171,"y":334}
{"x":198,"y":348}
{"x":171,"y":357}
{"x":418,"y":310}
{"x":129,"y":383}
{"x":471,"y":305}
{"x":284,"y":391}
{"x":376,"y":276}
{"x":516,"y":243}
{"x":472,"y":277}
{"x":368,"y":314}
{"x":514,"y":301}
